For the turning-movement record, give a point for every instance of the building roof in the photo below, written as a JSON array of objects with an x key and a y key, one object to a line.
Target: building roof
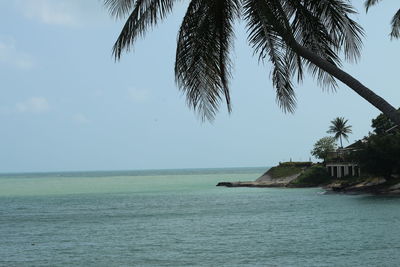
[
  {"x": 392, "y": 129},
  {"x": 355, "y": 145}
]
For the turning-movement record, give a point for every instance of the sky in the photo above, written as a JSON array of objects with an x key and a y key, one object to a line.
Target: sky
[{"x": 66, "y": 105}]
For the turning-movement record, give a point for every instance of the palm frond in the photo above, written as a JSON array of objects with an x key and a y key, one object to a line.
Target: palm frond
[
  {"x": 202, "y": 66},
  {"x": 370, "y": 3},
  {"x": 267, "y": 42},
  {"x": 119, "y": 8},
  {"x": 340, "y": 128},
  {"x": 310, "y": 32},
  {"x": 325, "y": 28},
  {"x": 395, "y": 33},
  {"x": 344, "y": 32},
  {"x": 145, "y": 14},
  {"x": 276, "y": 29},
  {"x": 321, "y": 26}
]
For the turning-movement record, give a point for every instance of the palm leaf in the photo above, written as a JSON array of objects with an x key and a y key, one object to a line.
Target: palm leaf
[
  {"x": 395, "y": 33},
  {"x": 266, "y": 42},
  {"x": 202, "y": 66},
  {"x": 119, "y": 8},
  {"x": 370, "y": 3},
  {"x": 145, "y": 14},
  {"x": 275, "y": 30},
  {"x": 340, "y": 128},
  {"x": 324, "y": 28}
]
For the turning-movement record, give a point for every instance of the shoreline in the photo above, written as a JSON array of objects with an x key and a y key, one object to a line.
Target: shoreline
[
  {"x": 354, "y": 189},
  {"x": 290, "y": 178}
]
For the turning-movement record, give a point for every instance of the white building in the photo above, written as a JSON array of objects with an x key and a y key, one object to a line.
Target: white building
[
  {"x": 343, "y": 169},
  {"x": 338, "y": 165}
]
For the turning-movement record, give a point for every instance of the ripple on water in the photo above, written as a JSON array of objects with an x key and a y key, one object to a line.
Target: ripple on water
[{"x": 198, "y": 224}]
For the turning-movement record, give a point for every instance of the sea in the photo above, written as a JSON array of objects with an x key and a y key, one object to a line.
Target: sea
[{"x": 180, "y": 218}]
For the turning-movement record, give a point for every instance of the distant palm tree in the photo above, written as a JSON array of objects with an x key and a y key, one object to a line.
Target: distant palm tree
[
  {"x": 395, "y": 33},
  {"x": 340, "y": 129},
  {"x": 293, "y": 35}
]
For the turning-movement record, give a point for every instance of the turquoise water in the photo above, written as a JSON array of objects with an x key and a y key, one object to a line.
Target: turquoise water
[{"x": 179, "y": 218}]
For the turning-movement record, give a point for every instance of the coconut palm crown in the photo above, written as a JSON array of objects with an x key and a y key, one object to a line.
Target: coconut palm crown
[
  {"x": 395, "y": 33},
  {"x": 294, "y": 36},
  {"x": 340, "y": 129}
]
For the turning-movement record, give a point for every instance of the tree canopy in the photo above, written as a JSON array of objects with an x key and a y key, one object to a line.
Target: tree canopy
[
  {"x": 382, "y": 124},
  {"x": 323, "y": 146},
  {"x": 294, "y": 36},
  {"x": 340, "y": 129},
  {"x": 379, "y": 154}
]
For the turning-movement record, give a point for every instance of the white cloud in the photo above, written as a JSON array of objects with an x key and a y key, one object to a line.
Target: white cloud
[
  {"x": 33, "y": 105},
  {"x": 10, "y": 55},
  {"x": 138, "y": 95},
  {"x": 80, "y": 118},
  {"x": 65, "y": 12},
  {"x": 56, "y": 12}
]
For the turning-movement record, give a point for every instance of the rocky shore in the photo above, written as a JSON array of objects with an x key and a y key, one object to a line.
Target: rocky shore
[
  {"x": 376, "y": 186},
  {"x": 251, "y": 184},
  {"x": 264, "y": 181},
  {"x": 296, "y": 179}
]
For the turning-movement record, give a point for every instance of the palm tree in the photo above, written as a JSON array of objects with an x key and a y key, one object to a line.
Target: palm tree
[
  {"x": 340, "y": 129},
  {"x": 293, "y": 35},
  {"x": 395, "y": 33}
]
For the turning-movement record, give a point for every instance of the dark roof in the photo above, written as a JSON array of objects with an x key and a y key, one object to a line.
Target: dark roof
[
  {"x": 392, "y": 129},
  {"x": 355, "y": 145}
]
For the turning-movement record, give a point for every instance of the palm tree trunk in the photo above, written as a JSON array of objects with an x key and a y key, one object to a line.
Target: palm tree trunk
[
  {"x": 341, "y": 144},
  {"x": 336, "y": 72},
  {"x": 349, "y": 80}
]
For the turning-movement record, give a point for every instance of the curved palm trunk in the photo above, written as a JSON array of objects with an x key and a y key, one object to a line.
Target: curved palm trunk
[
  {"x": 336, "y": 72},
  {"x": 350, "y": 81}
]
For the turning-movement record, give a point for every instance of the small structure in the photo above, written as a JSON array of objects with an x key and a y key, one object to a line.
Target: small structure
[{"x": 338, "y": 163}]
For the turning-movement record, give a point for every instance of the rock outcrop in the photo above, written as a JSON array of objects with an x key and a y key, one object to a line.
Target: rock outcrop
[
  {"x": 376, "y": 186},
  {"x": 252, "y": 184},
  {"x": 267, "y": 179}
]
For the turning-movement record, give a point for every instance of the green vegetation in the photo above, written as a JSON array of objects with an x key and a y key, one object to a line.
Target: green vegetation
[
  {"x": 379, "y": 154},
  {"x": 279, "y": 172},
  {"x": 340, "y": 129},
  {"x": 294, "y": 36},
  {"x": 323, "y": 146},
  {"x": 287, "y": 169},
  {"x": 298, "y": 164},
  {"x": 381, "y": 124},
  {"x": 317, "y": 175}
]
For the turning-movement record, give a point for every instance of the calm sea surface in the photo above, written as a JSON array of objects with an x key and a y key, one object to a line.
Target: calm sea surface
[{"x": 180, "y": 218}]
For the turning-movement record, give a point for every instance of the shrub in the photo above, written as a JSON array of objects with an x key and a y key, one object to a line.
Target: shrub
[
  {"x": 323, "y": 146},
  {"x": 315, "y": 176},
  {"x": 283, "y": 171},
  {"x": 380, "y": 155},
  {"x": 299, "y": 164}
]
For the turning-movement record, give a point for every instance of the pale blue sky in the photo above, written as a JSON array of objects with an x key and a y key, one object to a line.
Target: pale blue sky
[{"x": 65, "y": 104}]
